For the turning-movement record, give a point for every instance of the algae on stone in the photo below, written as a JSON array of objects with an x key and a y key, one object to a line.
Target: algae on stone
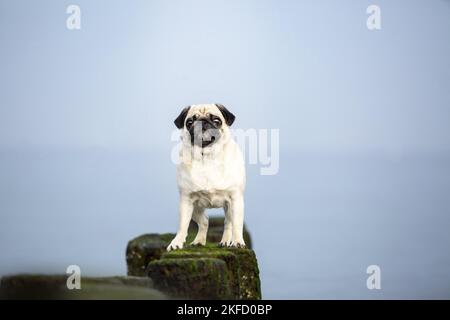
[
  {"x": 230, "y": 259},
  {"x": 192, "y": 278},
  {"x": 35, "y": 286},
  {"x": 194, "y": 272},
  {"x": 149, "y": 247},
  {"x": 249, "y": 282},
  {"x": 242, "y": 267}
]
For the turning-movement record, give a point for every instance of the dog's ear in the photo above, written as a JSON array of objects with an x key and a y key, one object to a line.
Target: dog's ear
[
  {"x": 228, "y": 116},
  {"x": 179, "y": 121}
]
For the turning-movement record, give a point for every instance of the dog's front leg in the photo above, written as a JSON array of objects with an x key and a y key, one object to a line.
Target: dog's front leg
[
  {"x": 201, "y": 219},
  {"x": 227, "y": 227},
  {"x": 186, "y": 208},
  {"x": 237, "y": 220}
]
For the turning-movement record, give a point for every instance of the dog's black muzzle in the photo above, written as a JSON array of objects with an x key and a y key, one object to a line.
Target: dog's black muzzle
[{"x": 204, "y": 132}]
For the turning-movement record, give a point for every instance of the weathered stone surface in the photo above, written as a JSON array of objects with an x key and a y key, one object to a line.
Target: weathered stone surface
[
  {"x": 149, "y": 247},
  {"x": 193, "y": 278},
  {"x": 230, "y": 259},
  {"x": 241, "y": 268},
  {"x": 144, "y": 249},
  {"x": 206, "y": 272},
  {"x": 54, "y": 287},
  {"x": 249, "y": 282}
]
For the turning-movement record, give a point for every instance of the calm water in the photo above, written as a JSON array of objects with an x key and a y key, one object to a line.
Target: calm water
[{"x": 316, "y": 225}]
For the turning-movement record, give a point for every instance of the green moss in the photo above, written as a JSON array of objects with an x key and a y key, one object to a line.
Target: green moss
[
  {"x": 31, "y": 286},
  {"x": 242, "y": 267},
  {"x": 192, "y": 278},
  {"x": 250, "y": 285},
  {"x": 229, "y": 258}
]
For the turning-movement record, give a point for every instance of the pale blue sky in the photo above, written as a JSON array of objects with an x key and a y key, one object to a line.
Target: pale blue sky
[{"x": 310, "y": 68}]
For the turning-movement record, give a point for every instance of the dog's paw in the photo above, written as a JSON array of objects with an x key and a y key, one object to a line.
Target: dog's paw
[
  {"x": 175, "y": 244},
  {"x": 225, "y": 243},
  {"x": 237, "y": 244}
]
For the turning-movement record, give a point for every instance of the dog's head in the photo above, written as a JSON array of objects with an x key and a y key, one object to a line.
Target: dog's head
[{"x": 206, "y": 124}]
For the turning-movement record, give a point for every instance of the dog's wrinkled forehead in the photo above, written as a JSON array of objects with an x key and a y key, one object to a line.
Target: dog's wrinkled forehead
[{"x": 204, "y": 110}]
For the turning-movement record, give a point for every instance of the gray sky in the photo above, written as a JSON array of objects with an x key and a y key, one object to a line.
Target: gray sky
[{"x": 310, "y": 68}]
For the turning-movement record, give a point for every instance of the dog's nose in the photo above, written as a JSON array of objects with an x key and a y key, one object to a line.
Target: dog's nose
[{"x": 204, "y": 124}]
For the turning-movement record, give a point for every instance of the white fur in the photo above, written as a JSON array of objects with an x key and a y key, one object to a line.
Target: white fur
[{"x": 210, "y": 177}]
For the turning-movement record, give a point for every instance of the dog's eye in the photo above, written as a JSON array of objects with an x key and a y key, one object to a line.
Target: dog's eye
[
  {"x": 189, "y": 123},
  {"x": 217, "y": 121}
]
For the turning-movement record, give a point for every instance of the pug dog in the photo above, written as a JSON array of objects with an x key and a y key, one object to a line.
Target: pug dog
[{"x": 211, "y": 174}]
